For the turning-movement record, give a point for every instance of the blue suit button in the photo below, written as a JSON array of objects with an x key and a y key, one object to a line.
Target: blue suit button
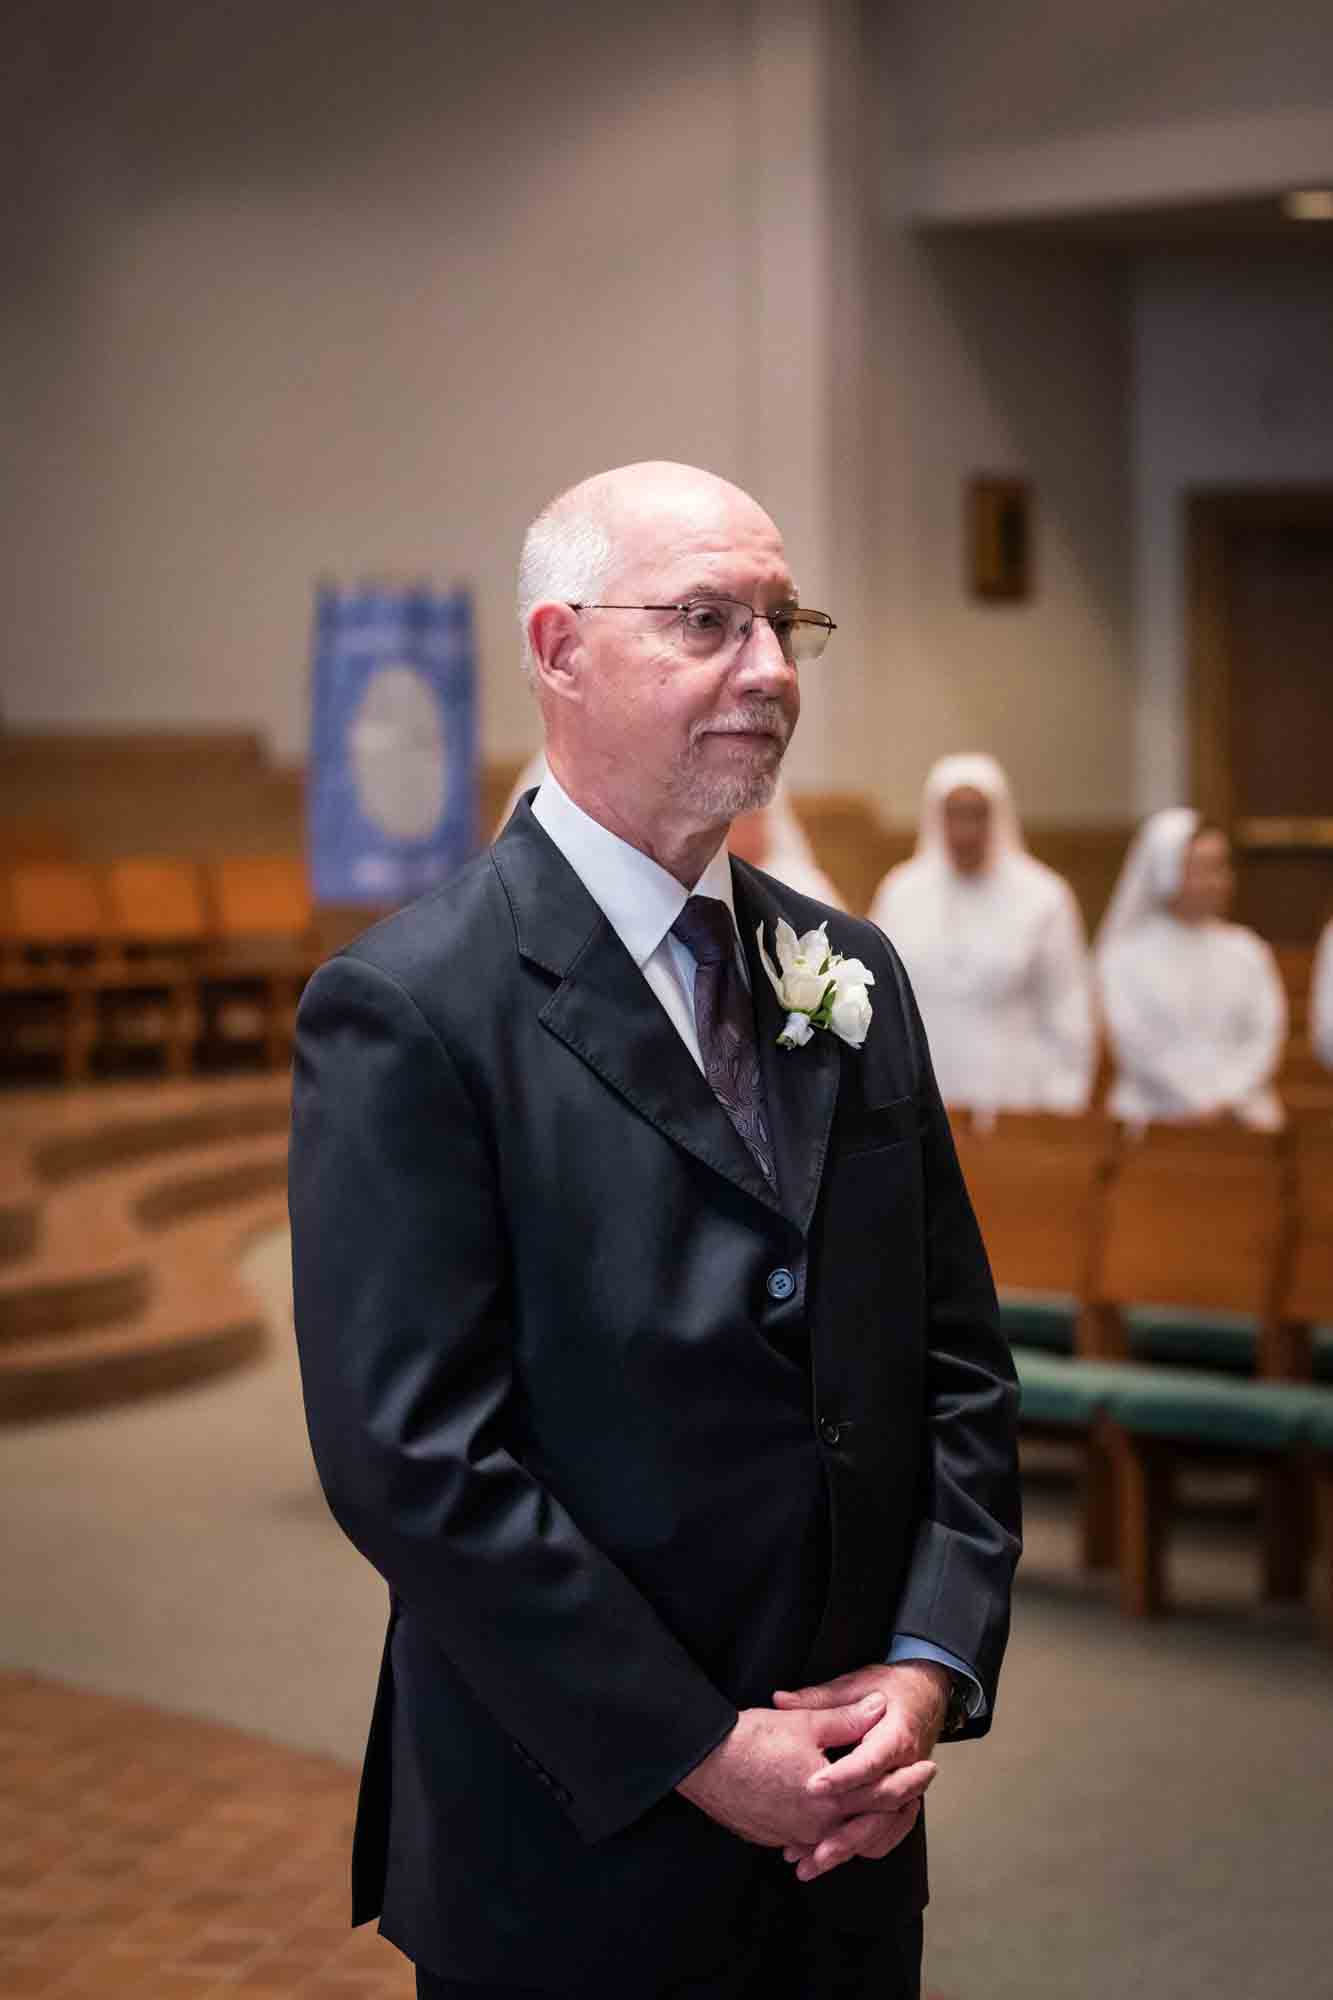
[
  {"x": 830, "y": 1432},
  {"x": 781, "y": 1283}
]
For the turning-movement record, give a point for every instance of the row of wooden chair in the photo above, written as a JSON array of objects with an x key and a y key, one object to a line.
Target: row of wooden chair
[
  {"x": 1208, "y": 1221},
  {"x": 152, "y": 953},
  {"x": 1213, "y": 1218}
]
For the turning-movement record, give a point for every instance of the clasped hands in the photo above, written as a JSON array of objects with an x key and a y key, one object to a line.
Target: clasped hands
[{"x": 770, "y": 1779}]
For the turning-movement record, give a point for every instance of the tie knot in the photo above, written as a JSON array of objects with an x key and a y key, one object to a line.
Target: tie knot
[{"x": 705, "y": 929}]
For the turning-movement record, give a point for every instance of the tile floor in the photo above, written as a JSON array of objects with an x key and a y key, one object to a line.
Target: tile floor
[{"x": 144, "y": 1853}]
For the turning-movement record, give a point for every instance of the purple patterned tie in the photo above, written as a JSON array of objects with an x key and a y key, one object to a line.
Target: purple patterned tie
[{"x": 724, "y": 1020}]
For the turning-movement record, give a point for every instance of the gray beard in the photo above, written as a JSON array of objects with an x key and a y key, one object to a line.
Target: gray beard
[{"x": 714, "y": 796}]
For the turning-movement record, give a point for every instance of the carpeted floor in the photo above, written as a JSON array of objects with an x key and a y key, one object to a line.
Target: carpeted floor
[{"x": 1152, "y": 1814}]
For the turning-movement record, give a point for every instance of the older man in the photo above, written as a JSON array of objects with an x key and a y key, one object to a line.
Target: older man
[{"x": 649, "y": 1346}]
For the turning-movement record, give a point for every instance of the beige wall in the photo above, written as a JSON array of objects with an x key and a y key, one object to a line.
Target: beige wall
[
  {"x": 1030, "y": 109},
  {"x": 333, "y": 289},
  {"x": 1007, "y": 359},
  {"x": 353, "y": 290}
]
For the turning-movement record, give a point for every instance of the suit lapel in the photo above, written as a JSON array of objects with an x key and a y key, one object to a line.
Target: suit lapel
[
  {"x": 800, "y": 1085},
  {"x": 604, "y": 1009}
]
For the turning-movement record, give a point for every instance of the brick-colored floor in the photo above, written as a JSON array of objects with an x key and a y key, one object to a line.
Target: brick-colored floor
[{"x": 143, "y": 1853}]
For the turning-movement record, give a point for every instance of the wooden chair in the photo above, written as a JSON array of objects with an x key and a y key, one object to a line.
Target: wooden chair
[
  {"x": 264, "y": 949},
  {"x": 1307, "y": 1294},
  {"x": 159, "y": 927},
  {"x": 1198, "y": 1216},
  {"x": 1037, "y": 1181},
  {"x": 55, "y": 932}
]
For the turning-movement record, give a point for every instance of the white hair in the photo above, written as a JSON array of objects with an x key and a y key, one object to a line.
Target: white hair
[{"x": 567, "y": 554}]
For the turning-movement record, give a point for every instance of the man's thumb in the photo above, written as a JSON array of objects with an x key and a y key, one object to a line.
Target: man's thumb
[{"x": 848, "y": 1724}]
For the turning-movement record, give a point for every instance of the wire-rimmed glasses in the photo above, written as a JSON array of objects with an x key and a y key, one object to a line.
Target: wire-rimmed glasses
[{"x": 713, "y": 625}]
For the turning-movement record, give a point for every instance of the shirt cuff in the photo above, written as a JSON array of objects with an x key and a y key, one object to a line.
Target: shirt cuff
[{"x": 906, "y": 1646}]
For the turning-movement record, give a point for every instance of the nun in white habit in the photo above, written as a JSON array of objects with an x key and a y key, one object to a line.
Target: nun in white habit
[
  {"x": 995, "y": 947},
  {"x": 772, "y": 838},
  {"x": 1194, "y": 1005}
]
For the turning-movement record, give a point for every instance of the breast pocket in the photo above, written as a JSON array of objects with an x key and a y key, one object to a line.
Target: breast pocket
[{"x": 873, "y": 1128}]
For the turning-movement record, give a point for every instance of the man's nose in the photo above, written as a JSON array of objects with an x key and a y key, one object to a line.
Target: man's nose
[{"x": 761, "y": 663}]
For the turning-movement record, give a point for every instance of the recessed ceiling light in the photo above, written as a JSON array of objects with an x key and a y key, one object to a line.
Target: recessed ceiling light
[{"x": 1309, "y": 204}]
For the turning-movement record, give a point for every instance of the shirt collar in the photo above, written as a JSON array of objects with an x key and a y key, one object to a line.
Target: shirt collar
[{"x": 639, "y": 899}]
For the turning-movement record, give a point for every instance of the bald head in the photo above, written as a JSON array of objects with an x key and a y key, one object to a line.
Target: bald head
[{"x": 595, "y": 532}]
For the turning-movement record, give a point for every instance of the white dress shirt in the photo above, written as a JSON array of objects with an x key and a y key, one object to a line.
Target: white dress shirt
[{"x": 639, "y": 900}]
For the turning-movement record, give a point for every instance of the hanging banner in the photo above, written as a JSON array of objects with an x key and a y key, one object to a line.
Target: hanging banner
[{"x": 392, "y": 790}]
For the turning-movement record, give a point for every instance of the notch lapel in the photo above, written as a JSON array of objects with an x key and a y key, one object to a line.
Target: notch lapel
[
  {"x": 604, "y": 1009},
  {"x": 800, "y": 1085}
]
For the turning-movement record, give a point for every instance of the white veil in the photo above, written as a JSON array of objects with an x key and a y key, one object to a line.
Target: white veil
[
  {"x": 1151, "y": 873},
  {"x": 980, "y": 773}
]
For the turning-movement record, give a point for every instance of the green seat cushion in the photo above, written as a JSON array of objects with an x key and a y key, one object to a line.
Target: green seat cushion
[
  {"x": 1188, "y": 1338},
  {"x": 1038, "y": 1319},
  {"x": 1207, "y": 1409},
  {"x": 1070, "y": 1395},
  {"x": 1320, "y": 1430},
  {"x": 1323, "y": 1354}
]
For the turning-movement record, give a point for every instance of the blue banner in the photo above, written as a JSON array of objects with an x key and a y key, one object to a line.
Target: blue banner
[{"x": 392, "y": 788}]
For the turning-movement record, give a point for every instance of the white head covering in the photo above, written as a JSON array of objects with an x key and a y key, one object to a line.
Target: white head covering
[
  {"x": 1152, "y": 872},
  {"x": 979, "y": 773}
]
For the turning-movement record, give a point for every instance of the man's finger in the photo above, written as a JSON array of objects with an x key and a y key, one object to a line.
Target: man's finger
[
  {"x": 828, "y": 1694},
  {"x": 866, "y": 1765},
  {"x": 891, "y": 1793},
  {"x": 837, "y": 1847},
  {"x": 849, "y": 1722},
  {"x": 870, "y": 1834}
]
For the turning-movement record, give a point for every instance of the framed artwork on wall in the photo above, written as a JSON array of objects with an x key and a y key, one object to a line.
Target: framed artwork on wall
[{"x": 998, "y": 533}]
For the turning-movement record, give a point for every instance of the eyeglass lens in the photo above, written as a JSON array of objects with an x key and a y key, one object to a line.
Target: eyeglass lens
[{"x": 710, "y": 624}]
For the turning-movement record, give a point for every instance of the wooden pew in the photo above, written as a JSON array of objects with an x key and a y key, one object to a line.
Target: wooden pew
[
  {"x": 265, "y": 948},
  {"x": 158, "y": 934},
  {"x": 1198, "y": 1216},
  {"x": 54, "y": 924},
  {"x": 1037, "y": 1182}
]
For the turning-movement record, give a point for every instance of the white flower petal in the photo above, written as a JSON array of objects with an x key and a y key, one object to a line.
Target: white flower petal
[
  {"x": 850, "y": 1015},
  {"x": 813, "y": 947},
  {"x": 787, "y": 947},
  {"x": 774, "y": 976}
]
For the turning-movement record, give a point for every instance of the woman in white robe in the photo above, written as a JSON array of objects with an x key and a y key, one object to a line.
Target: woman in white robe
[
  {"x": 1194, "y": 1005},
  {"x": 771, "y": 838},
  {"x": 1321, "y": 999},
  {"x": 995, "y": 947}
]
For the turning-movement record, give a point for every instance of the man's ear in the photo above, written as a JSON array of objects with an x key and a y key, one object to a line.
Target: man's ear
[{"x": 556, "y": 640}]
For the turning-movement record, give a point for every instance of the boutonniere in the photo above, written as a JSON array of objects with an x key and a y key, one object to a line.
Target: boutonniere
[{"x": 817, "y": 987}]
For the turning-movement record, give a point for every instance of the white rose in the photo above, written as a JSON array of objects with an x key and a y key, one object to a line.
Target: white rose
[
  {"x": 851, "y": 972},
  {"x": 804, "y": 988},
  {"x": 849, "y": 1016}
]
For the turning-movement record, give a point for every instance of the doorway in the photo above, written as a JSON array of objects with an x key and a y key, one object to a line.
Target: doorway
[{"x": 1261, "y": 657}]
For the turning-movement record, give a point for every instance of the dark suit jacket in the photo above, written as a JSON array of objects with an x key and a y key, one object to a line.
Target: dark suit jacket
[{"x": 617, "y": 1487}]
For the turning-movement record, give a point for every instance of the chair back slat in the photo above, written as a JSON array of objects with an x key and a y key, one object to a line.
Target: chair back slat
[
  {"x": 55, "y": 904},
  {"x": 1308, "y": 1295},
  {"x": 1195, "y": 1216},
  {"x": 1035, "y": 1181},
  {"x": 156, "y": 902},
  {"x": 260, "y": 896}
]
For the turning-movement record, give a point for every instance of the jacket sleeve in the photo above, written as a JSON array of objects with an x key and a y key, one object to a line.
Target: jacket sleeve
[
  {"x": 960, "y": 1575},
  {"x": 403, "y": 1311}
]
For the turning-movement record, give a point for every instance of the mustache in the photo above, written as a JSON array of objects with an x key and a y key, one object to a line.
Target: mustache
[{"x": 759, "y": 718}]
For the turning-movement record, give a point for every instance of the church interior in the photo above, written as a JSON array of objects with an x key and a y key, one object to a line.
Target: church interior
[{"x": 1019, "y": 322}]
